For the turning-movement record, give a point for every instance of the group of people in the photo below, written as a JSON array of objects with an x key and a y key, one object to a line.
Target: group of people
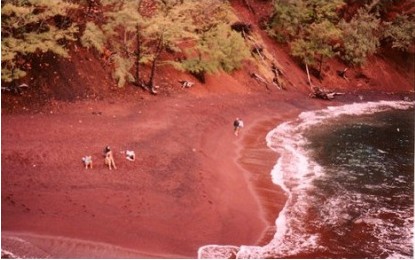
[
  {"x": 108, "y": 158},
  {"x": 130, "y": 155}
]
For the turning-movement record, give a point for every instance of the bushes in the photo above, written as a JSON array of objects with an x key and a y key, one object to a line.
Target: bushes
[
  {"x": 400, "y": 32},
  {"x": 294, "y": 22},
  {"x": 360, "y": 37},
  {"x": 218, "y": 49}
]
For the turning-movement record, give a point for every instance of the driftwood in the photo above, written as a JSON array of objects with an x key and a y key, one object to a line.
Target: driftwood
[
  {"x": 326, "y": 95},
  {"x": 186, "y": 84},
  {"x": 276, "y": 80},
  {"x": 258, "y": 49},
  {"x": 259, "y": 78},
  {"x": 342, "y": 73},
  {"x": 15, "y": 89},
  {"x": 154, "y": 90}
]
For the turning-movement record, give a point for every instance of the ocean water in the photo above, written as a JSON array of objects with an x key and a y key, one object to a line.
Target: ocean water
[{"x": 348, "y": 172}]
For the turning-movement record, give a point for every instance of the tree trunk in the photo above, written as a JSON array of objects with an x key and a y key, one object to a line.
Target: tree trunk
[
  {"x": 308, "y": 75},
  {"x": 137, "y": 56},
  {"x": 320, "y": 67},
  {"x": 159, "y": 48}
]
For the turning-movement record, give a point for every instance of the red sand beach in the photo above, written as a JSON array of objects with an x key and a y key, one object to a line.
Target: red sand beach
[{"x": 193, "y": 183}]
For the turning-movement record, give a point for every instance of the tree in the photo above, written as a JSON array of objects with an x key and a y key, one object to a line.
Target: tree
[
  {"x": 33, "y": 27},
  {"x": 168, "y": 28},
  {"x": 360, "y": 37},
  {"x": 138, "y": 35},
  {"x": 317, "y": 44},
  {"x": 122, "y": 31},
  {"x": 400, "y": 32},
  {"x": 288, "y": 19},
  {"x": 220, "y": 48},
  {"x": 292, "y": 17}
]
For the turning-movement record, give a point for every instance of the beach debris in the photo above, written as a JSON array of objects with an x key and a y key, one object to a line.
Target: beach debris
[
  {"x": 276, "y": 80},
  {"x": 342, "y": 73},
  {"x": 259, "y": 79},
  {"x": 154, "y": 90},
  {"x": 15, "y": 89},
  {"x": 186, "y": 84},
  {"x": 322, "y": 94}
]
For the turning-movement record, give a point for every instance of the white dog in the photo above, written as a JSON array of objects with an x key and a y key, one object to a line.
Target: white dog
[
  {"x": 87, "y": 159},
  {"x": 130, "y": 155}
]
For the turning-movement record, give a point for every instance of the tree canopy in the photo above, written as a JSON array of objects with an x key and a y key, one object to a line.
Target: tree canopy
[
  {"x": 33, "y": 27},
  {"x": 135, "y": 33},
  {"x": 316, "y": 29}
]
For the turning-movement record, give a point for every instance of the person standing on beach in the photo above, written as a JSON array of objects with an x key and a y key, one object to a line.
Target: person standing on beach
[
  {"x": 109, "y": 158},
  {"x": 237, "y": 125}
]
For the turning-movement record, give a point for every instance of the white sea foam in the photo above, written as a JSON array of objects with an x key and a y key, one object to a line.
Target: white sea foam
[
  {"x": 217, "y": 251},
  {"x": 294, "y": 172}
]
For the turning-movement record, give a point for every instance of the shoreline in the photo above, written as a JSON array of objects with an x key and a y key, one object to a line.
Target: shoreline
[{"x": 198, "y": 171}]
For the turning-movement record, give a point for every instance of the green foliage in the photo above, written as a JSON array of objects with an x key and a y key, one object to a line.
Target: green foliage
[
  {"x": 168, "y": 25},
  {"x": 323, "y": 10},
  {"x": 216, "y": 46},
  {"x": 401, "y": 32},
  {"x": 93, "y": 37},
  {"x": 288, "y": 18},
  {"x": 305, "y": 50},
  {"x": 28, "y": 27},
  {"x": 125, "y": 20},
  {"x": 360, "y": 37},
  {"x": 308, "y": 26},
  {"x": 118, "y": 34},
  {"x": 317, "y": 43},
  {"x": 197, "y": 66},
  {"x": 314, "y": 29},
  {"x": 174, "y": 23},
  {"x": 292, "y": 17},
  {"x": 122, "y": 72},
  {"x": 218, "y": 49}
]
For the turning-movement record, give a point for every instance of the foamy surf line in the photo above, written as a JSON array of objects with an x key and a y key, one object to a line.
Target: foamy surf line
[
  {"x": 22, "y": 245},
  {"x": 294, "y": 171}
]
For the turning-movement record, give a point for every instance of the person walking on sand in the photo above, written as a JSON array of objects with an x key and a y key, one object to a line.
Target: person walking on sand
[
  {"x": 109, "y": 158},
  {"x": 237, "y": 125}
]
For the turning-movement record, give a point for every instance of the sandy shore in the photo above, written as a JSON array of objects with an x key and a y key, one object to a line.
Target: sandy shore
[{"x": 194, "y": 183}]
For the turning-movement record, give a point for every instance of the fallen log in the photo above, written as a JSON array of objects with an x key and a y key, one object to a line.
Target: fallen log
[
  {"x": 326, "y": 95},
  {"x": 259, "y": 78},
  {"x": 276, "y": 80}
]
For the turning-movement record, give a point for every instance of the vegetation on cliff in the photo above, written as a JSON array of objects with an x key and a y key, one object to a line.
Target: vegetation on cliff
[
  {"x": 198, "y": 37},
  {"x": 318, "y": 29}
]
